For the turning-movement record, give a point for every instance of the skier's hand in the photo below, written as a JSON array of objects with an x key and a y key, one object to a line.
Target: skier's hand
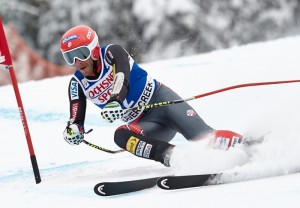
[
  {"x": 73, "y": 134},
  {"x": 112, "y": 111}
]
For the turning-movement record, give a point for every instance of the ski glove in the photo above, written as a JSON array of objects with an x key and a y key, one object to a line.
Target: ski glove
[
  {"x": 112, "y": 111},
  {"x": 73, "y": 134}
]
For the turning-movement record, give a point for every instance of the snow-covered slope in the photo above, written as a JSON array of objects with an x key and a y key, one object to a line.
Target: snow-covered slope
[{"x": 70, "y": 172}]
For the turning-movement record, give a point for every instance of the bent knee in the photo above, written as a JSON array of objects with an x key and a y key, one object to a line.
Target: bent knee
[{"x": 122, "y": 134}]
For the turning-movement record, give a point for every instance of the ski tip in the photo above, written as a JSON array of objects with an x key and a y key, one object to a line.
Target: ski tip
[
  {"x": 184, "y": 181},
  {"x": 99, "y": 189},
  {"x": 123, "y": 187}
]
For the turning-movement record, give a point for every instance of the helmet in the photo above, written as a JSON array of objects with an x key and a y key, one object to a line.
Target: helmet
[{"x": 80, "y": 42}]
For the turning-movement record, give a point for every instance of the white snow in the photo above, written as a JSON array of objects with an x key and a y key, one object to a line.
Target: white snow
[{"x": 69, "y": 173}]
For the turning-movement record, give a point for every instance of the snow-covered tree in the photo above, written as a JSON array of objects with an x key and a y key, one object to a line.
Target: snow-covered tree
[{"x": 153, "y": 29}]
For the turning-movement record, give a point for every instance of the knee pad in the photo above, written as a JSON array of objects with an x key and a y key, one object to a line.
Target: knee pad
[
  {"x": 124, "y": 132},
  {"x": 121, "y": 137}
]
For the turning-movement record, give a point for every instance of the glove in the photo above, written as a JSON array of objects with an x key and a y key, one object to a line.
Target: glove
[
  {"x": 112, "y": 111},
  {"x": 73, "y": 134}
]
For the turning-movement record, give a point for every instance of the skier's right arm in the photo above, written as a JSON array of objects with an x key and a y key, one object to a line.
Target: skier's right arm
[{"x": 74, "y": 131}]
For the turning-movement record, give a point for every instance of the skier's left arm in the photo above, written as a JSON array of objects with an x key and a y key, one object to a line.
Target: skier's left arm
[{"x": 119, "y": 59}]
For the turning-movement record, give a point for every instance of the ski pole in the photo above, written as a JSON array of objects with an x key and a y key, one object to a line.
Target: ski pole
[
  {"x": 6, "y": 60},
  {"x": 167, "y": 103},
  {"x": 102, "y": 148}
]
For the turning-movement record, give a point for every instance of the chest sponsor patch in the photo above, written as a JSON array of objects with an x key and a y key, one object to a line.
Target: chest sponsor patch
[
  {"x": 74, "y": 90},
  {"x": 100, "y": 91}
]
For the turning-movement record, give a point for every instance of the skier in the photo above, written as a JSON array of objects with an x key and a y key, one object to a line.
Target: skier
[{"x": 110, "y": 78}]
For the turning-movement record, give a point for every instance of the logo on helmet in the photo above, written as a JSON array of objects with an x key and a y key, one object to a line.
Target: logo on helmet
[
  {"x": 88, "y": 36},
  {"x": 67, "y": 39}
]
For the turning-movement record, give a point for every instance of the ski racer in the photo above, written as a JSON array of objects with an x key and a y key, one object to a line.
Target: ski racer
[{"x": 110, "y": 78}]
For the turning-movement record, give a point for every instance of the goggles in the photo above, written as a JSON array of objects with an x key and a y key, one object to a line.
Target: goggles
[{"x": 82, "y": 53}]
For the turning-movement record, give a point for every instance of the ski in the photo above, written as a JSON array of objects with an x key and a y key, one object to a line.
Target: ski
[
  {"x": 123, "y": 187},
  {"x": 185, "y": 181},
  {"x": 165, "y": 182}
]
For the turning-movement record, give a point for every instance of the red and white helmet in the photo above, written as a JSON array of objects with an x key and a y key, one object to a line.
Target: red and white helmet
[{"x": 80, "y": 42}]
